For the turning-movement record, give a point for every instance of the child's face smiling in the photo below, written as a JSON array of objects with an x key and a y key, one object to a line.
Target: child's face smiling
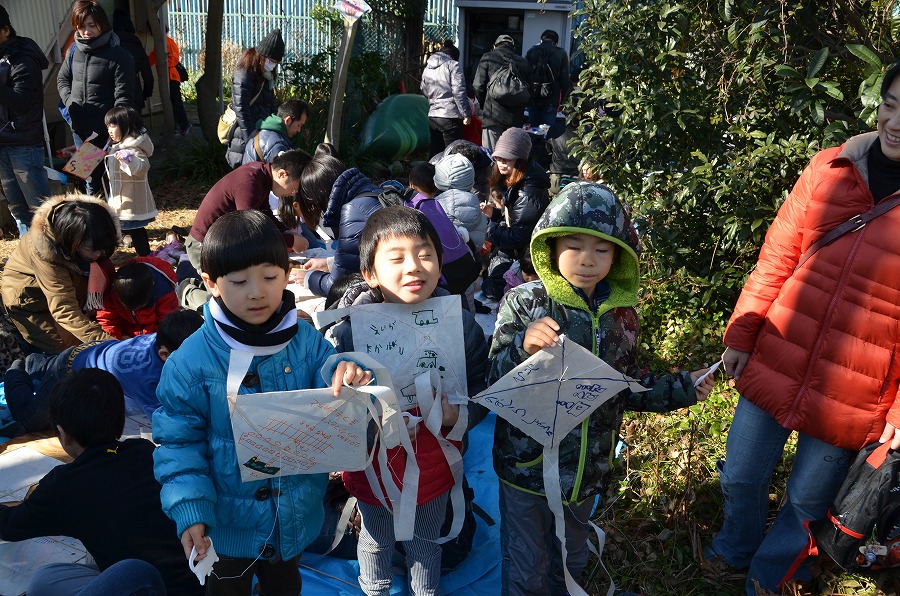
[
  {"x": 252, "y": 294},
  {"x": 406, "y": 268},
  {"x": 584, "y": 260}
]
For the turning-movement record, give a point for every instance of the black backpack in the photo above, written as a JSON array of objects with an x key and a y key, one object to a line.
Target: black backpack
[
  {"x": 861, "y": 531},
  {"x": 508, "y": 87},
  {"x": 542, "y": 79}
]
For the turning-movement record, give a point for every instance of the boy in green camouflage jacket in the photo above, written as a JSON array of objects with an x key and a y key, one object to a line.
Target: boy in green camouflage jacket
[{"x": 585, "y": 251}]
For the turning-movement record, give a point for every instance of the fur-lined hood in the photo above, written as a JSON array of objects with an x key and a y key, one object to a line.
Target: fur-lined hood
[{"x": 42, "y": 236}]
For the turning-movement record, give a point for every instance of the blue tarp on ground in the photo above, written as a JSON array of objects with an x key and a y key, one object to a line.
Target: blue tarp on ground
[{"x": 478, "y": 575}]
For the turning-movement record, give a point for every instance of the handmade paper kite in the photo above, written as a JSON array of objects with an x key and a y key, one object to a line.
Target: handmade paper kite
[
  {"x": 554, "y": 390},
  {"x": 409, "y": 339},
  {"x": 299, "y": 432},
  {"x": 546, "y": 397}
]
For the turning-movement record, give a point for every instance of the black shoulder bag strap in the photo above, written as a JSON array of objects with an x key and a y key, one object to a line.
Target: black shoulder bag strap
[{"x": 851, "y": 225}]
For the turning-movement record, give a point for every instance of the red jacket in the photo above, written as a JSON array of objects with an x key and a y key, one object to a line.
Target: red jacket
[
  {"x": 824, "y": 339},
  {"x": 121, "y": 323}
]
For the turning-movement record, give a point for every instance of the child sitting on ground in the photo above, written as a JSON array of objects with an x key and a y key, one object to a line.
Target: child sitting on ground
[
  {"x": 584, "y": 249},
  {"x": 142, "y": 292},
  {"x": 107, "y": 498},
  {"x": 522, "y": 271},
  {"x": 459, "y": 267},
  {"x": 136, "y": 364},
  {"x": 258, "y": 527},
  {"x": 400, "y": 257}
]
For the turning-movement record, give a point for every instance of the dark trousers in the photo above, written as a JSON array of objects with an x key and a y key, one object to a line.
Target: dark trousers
[
  {"x": 139, "y": 240},
  {"x": 276, "y": 578},
  {"x": 443, "y": 132},
  {"x": 27, "y": 406},
  {"x": 181, "y": 119}
]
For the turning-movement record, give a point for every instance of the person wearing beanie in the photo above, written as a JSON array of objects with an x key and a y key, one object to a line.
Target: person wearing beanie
[
  {"x": 253, "y": 92},
  {"x": 497, "y": 117},
  {"x": 552, "y": 82},
  {"x": 21, "y": 123},
  {"x": 454, "y": 176},
  {"x": 444, "y": 85},
  {"x": 522, "y": 186}
]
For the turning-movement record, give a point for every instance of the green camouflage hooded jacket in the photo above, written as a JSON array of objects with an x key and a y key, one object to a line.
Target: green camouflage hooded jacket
[{"x": 610, "y": 332}]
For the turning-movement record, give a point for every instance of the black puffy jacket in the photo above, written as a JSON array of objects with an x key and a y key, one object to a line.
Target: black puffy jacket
[
  {"x": 494, "y": 115},
  {"x": 244, "y": 87},
  {"x": 21, "y": 92},
  {"x": 525, "y": 202},
  {"x": 96, "y": 75},
  {"x": 346, "y": 215}
]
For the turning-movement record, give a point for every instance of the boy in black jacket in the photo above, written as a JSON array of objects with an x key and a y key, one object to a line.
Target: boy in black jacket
[{"x": 107, "y": 498}]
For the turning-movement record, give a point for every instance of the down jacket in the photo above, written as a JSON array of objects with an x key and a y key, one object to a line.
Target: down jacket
[
  {"x": 273, "y": 140},
  {"x": 435, "y": 478},
  {"x": 524, "y": 203},
  {"x": 444, "y": 85},
  {"x": 21, "y": 93},
  {"x": 131, "y": 197},
  {"x": 346, "y": 216},
  {"x": 196, "y": 462},
  {"x": 41, "y": 290},
  {"x": 493, "y": 115},
  {"x": 823, "y": 340},
  {"x": 101, "y": 77},
  {"x": 122, "y": 323},
  {"x": 609, "y": 328},
  {"x": 244, "y": 87}
]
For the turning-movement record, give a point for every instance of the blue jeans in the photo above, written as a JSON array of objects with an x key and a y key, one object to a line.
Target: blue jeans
[
  {"x": 24, "y": 181},
  {"x": 538, "y": 115},
  {"x": 755, "y": 445},
  {"x": 131, "y": 577}
]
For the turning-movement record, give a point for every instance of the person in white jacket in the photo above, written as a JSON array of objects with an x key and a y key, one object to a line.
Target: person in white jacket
[{"x": 444, "y": 85}]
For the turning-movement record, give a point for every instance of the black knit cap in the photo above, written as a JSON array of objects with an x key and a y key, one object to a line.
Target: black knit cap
[
  {"x": 4, "y": 18},
  {"x": 551, "y": 35},
  {"x": 272, "y": 46}
]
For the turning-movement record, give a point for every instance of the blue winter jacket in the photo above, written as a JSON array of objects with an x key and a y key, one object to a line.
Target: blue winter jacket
[
  {"x": 196, "y": 463},
  {"x": 346, "y": 215}
]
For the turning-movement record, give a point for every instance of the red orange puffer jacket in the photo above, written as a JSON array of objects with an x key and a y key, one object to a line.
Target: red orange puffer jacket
[{"x": 823, "y": 339}]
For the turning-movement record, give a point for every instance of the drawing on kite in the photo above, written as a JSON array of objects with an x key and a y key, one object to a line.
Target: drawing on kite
[
  {"x": 425, "y": 317},
  {"x": 427, "y": 360},
  {"x": 254, "y": 464}
]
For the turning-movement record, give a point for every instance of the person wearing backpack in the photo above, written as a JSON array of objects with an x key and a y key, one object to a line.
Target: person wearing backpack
[
  {"x": 551, "y": 83},
  {"x": 812, "y": 346},
  {"x": 503, "y": 89}
]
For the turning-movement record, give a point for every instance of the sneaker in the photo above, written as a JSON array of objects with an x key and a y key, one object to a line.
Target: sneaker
[
  {"x": 718, "y": 568},
  {"x": 481, "y": 308}
]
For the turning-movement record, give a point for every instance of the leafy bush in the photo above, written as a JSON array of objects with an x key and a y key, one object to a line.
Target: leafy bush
[{"x": 198, "y": 161}]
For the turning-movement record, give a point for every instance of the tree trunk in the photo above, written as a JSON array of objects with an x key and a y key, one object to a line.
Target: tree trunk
[
  {"x": 339, "y": 85},
  {"x": 209, "y": 85},
  {"x": 415, "y": 32},
  {"x": 162, "y": 72}
]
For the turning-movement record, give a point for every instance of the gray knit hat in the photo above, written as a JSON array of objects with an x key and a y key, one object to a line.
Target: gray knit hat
[
  {"x": 272, "y": 46},
  {"x": 514, "y": 143},
  {"x": 454, "y": 171}
]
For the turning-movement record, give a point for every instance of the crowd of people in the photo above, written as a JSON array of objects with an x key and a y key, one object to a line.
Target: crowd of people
[{"x": 177, "y": 332}]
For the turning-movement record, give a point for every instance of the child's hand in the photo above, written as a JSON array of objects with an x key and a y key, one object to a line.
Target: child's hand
[
  {"x": 349, "y": 373},
  {"x": 450, "y": 411},
  {"x": 125, "y": 155},
  {"x": 195, "y": 536},
  {"x": 316, "y": 265},
  {"x": 300, "y": 243},
  {"x": 702, "y": 390},
  {"x": 539, "y": 335},
  {"x": 487, "y": 210}
]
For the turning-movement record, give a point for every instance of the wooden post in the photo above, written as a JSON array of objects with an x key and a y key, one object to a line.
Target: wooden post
[{"x": 336, "y": 105}]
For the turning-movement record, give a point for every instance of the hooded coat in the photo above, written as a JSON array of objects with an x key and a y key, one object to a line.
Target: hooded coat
[
  {"x": 435, "y": 477},
  {"x": 346, "y": 216},
  {"x": 246, "y": 86},
  {"x": 444, "y": 85},
  {"x": 823, "y": 340},
  {"x": 131, "y": 197},
  {"x": 21, "y": 92},
  {"x": 608, "y": 326},
  {"x": 96, "y": 75},
  {"x": 273, "y": 140},
  {"x": 41, "y": 290},
  {"x": 455, "y": 179}
]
